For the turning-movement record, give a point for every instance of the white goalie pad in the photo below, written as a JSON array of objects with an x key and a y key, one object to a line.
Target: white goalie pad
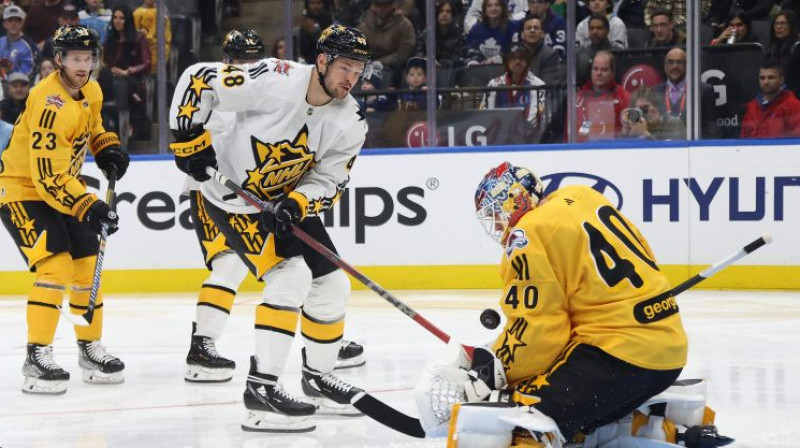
[{"x": 686, "y": 402}]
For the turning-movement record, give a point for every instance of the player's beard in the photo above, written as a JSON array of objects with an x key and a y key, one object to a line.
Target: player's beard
[{"x": 74, "y": 81}]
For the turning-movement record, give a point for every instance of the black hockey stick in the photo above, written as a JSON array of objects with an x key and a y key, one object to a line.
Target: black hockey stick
[
  {"x": 335, "y": 259},
  {"x": 85, "y": 319}
]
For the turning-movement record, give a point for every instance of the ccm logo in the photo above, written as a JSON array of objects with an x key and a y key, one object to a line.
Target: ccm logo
[{"x": 655, "y": 309}]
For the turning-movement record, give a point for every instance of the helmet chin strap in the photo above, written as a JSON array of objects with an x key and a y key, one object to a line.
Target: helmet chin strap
[{"x": 321, "y": 77}]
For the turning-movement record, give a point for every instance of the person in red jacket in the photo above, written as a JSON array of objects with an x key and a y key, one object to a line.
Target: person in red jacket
[
  {"x": 775, "y": 111},
  {"x": 601, "y": 101}
]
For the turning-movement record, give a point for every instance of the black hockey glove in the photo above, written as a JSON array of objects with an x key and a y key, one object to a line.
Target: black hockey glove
[
  {"x": 108, "y": 155},
  {"x": 194, "y": 153},
  {"x": 99, "y": 214},
  {"x": 279, "y": 221}
]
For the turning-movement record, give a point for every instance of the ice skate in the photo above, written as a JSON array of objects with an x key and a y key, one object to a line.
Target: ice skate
[
  {"x": 351, "y": 354},
  {"x": 271, "y": 409},
  {"x": 204, "y": 364},
  {"x": 42, "y": 374},
  {"x": 331, "y": 395},
  {"x": 99, "y": 366}
]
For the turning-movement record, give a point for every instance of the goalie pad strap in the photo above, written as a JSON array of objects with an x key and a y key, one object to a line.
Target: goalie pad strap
[
  {"x": 103, "y": 141},
  {"x": 193, "y": 146}
]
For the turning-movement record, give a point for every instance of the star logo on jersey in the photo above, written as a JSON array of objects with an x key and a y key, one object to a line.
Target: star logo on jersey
[
  {"x": 198, "y": 85},
  {"x": 187, "y": 110},
  {"x": 54, "y": 100},
  {"x": 512, "y": 340},
  {"x": 279, "y": 166},
  {"x": 282, "y": 67}
]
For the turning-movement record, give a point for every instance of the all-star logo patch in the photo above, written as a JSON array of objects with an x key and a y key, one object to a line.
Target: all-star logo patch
[
  {"x": 279, "y": 165},
  {"x": 54, "y": 100},
  {"x": 282, "y": 67}
]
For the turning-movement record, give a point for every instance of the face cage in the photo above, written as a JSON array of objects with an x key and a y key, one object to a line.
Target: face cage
[{"x": 493, "y": 220}]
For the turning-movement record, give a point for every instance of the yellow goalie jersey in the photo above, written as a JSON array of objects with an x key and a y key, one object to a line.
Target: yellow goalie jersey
[
  {"x": 48, "y": 146},
  {"x": 576, "y": 271}
]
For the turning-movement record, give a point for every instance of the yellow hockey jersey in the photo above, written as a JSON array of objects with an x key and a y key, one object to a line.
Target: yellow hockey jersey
[
  {"x": 576, "y": 271},
  {"x": 48, "y": 146}
]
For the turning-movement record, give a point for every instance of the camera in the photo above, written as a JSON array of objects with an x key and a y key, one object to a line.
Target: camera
[{"x": 633, "y": 114}]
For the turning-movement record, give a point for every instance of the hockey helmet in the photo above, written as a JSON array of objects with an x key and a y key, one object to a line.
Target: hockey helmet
[
  {"x": 243, "y": 44},
  {"x": 504, "y": 195},
  {"x": 344, "y": 41},
  {"x": 77, "y": 37}
]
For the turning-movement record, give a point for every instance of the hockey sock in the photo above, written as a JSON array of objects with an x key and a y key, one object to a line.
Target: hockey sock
[
  {"x": 275, "y": 328},
  {"x": 321, "y": 338},
  {"x": 82, "y": 274},
  {"x": 47, "y": 293},
  {"x": 214, "y": 305}
]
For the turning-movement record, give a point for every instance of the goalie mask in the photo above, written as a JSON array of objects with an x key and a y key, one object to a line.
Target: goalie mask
[{"x": 503, "y": 196}]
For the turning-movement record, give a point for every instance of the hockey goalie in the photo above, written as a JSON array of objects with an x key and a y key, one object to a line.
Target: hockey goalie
[{"x": 593, "y": 342}]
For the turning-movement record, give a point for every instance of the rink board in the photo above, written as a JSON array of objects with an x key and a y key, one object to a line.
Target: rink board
[{"x": 408, "y": 218}]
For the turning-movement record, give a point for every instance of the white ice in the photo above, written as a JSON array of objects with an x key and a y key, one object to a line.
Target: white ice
[{"x": 747, "y": 344}]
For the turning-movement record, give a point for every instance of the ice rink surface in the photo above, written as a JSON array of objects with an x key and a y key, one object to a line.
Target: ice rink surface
[{"x": 747, "y": 344}]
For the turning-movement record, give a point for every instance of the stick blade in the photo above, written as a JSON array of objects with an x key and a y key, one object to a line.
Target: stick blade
[
  {"x": 389, "y": 416},
  {"x": 76, "y": 319}
]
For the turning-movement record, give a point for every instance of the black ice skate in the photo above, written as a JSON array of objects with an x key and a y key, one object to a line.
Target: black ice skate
[
  {"x": 204, "y": 364},
  {"x": 351, "y": 354},
  {"x": 704, "y": 437},
  {"x": 331, "y": 395},
  {"x": 99, "y": 366},
  {"x": 42, "y": 374},
  {"x": 272, "y": 409}
]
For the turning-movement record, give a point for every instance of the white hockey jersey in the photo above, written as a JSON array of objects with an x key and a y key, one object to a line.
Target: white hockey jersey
[{"x": 276, "y": 141}]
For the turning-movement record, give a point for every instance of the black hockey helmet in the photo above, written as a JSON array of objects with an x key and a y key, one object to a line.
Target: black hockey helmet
[
  {"x": 344, "y": 41},
  {"x": 243, "y": 44},
  {"x": 76, "y": 37}
]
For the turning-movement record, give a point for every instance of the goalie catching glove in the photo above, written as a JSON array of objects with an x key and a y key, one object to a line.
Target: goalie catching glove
[
  {"x": 109, "y": 156},
  {"x": 194, "y": 153}
]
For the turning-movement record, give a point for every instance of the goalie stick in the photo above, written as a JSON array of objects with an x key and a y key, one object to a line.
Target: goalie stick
[
  {"x": 335, "y": 259},
  {"x": 85, "y": 319}
]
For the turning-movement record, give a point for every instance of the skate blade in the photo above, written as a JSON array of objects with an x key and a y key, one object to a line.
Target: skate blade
[
  {"x": 200, "y": 374},
  {"x": 37, "y": 386},
  {"x": 351, "y": 363},
  {"x": 332, "y": 409},
  {"x": 98, "y": 377},
  {"x": 263, "y": 421}
]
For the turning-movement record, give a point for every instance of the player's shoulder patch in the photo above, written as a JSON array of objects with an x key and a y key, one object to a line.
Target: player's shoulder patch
[
  {"x": 516, "y": 240},
  {"x": 54, "y": 100}
]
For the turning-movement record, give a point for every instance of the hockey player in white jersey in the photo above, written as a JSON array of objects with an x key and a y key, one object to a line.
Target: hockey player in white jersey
[
  {"x": 295, "y": 138},
  {"x": 204, "y": 364}
]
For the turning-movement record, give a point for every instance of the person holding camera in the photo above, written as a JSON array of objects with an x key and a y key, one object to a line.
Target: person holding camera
[{"x": 645, "y": 120}]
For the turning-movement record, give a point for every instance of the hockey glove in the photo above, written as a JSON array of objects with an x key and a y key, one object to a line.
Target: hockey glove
[
  {"x": 279, "y": 221},
  {"x": 486, "y": 374},
  {"x": 109, "y": 156},
  {"x": 194, "y": 153},
  {"x": 99, "y": 214}
]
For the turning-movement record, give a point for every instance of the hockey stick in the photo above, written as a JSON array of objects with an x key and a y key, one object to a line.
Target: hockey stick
[
  {"x": 85, "y": 319},
  {"x": 335, "y": 259}
]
